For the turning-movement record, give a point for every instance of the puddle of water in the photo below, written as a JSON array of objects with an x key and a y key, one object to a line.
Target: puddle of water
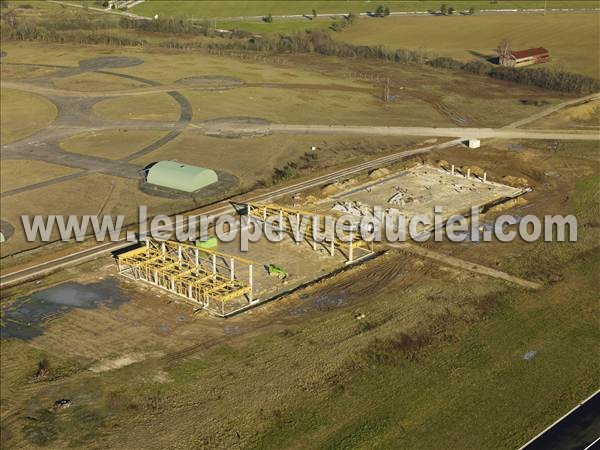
[
  {"x": 316, "y": 303},
  {"x": 25, "y": 317},
  {"x": 232, "y": 330},
  {"x": 164, "y": 328}
]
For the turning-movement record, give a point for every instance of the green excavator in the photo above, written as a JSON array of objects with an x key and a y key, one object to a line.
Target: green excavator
[{"x": 278, "y": 272}]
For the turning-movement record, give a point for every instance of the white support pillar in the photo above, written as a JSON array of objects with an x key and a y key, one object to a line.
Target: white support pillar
[
  {"x": 452, "y": 170},
  {"x": 264, "y": 214},
  {"x": 190, "y": 291},
  {"x": 147, "y": 242},
  {"x": 155, "y": 277},
  {"x": 179, "y": 254},
  {"x": 484, "y": 177},
  {"x": 281, "y": 225},
  {"x": 214, "y": 263},
  {"x": 351, "y": 248},
  {"x": 332, "y": 247},
  {"x": 163, "y": 248},
  {"x": 250, "y": 281},
  {"x": 468, "y": 173},
  {"x": 232, "y": 268},
  {"x": 196, "y": 256},
  {"x": 173, "y": 284},
  {"x": 297, "y": 229}
]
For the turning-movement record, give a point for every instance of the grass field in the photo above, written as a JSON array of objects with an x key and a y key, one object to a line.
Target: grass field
[
  {"x": 144, "y": 107},
  {"x": 477, "y": 37},
  {"x": 111, "y": 144},
  {"x": 23, "y": 113},
  {"x": 37, "y": 172},
  {"x": 200, "y": 9}
]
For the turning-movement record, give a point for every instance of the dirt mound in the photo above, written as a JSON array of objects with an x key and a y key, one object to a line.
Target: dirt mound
[
  {"x": 109, "y": 62},
  {"x": 443, "y": 164},
  {"x": 515, "y": 181},
  {"x": 519, "y": 201},
  {"x": 379, "y": 173},
  {"x": 475, "y": 170},
  {"x": 330, "y": 189},
  {"x": 212, "y": 81},
  {"x": 6, "y": 229},
  {"x": 310, "y": 200},
  {"x": 224, "y": 121}
]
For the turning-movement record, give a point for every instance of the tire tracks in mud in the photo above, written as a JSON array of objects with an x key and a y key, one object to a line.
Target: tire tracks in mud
[{"x": 375, "y": 277}]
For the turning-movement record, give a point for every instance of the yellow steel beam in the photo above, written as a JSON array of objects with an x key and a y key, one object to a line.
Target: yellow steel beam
[{"x": 175, "y": 244}]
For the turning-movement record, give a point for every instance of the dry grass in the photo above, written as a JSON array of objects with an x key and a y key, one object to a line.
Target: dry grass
[
  {"x": 140, "y": 107},
  {"x": 94, "y": 82},
  {"x": 111, "y": 144},
  {"x": 37, "y": 172},
  {"x": 22, "y": 114}
]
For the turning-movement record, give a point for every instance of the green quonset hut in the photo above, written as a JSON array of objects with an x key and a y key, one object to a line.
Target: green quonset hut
[{"x": 179, "y": 176}]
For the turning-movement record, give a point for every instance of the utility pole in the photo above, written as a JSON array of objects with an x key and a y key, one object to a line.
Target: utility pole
[{"x": 386, "y": 91}]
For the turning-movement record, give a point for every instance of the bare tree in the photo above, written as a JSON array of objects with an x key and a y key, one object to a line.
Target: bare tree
[{"x": 503, "y": 48}]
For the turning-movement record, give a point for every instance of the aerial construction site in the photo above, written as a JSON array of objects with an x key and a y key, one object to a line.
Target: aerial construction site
[{"x": 299, "y": 224}]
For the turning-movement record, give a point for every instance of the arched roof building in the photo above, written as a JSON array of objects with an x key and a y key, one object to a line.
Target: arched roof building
[{"x": 179, "y": 176}]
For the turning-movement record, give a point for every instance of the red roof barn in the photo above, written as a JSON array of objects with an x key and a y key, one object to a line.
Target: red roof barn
[{"x": 527, "y": 57}]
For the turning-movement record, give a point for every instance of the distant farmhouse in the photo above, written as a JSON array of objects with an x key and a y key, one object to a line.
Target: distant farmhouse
[{"x": 527, "y": 57}]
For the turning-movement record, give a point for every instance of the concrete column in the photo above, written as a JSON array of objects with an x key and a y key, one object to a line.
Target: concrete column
[
  {"x": 190, "y": 291},
  {"x": 264, "y": 214},
  {"x": 155, "y": 277},
  {"x": 232, "y": 268},
  {"x": 452, "y": 170},
  {"x": 250, "y": 281},
  {"x": 468, "y": 173},
  {"x": 281, "y": 225},
  {"x": 214, "y": 263},
  {"x": 196, "y": 256},
  {"x": 173, "y": 284},
  {"x": 351, "y": 248},
  {"x": 332, "y": 248},
  {"x": 163, "y": 248},
  {"x": 147, "y": 242},
  {"x": 297, "y": 228},
  {"x": 484, "y": 177},
  {"x": 179, "y": 255}
]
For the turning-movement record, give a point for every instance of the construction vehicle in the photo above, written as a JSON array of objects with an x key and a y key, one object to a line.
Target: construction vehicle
[
  {"x": 209, "y": 242},
  {"x": 278, "y": 272}
]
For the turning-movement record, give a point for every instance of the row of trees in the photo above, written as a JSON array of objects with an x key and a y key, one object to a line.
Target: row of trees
[
  {"x": 317, "y": 41},
  {"x": 446, "y": 10}
]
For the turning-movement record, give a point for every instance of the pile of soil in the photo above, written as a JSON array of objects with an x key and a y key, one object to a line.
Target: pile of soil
[
  {"x": 379, "y": 173},
  {"x": 515, "y": 181},
  {"x": 475, "y": 170}
]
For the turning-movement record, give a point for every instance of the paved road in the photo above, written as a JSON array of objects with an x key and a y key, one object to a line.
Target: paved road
[
  {"x": 578, "y": 429},
  {"x": 347, "y": 130}
]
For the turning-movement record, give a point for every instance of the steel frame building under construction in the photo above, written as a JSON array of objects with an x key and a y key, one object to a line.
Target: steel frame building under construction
[
  {"x": 220, "y": 283},
  {"x": 204, "y": 277}
]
